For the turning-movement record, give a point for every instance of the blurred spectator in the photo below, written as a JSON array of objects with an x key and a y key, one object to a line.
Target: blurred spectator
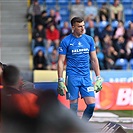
[
  {"x": 24, "y": 85},
  {"x": 116, "y": 11},
  {"x": 97, "y": 42},
  {"x": 104, "y": 12},
  {"x": 110, "y": 58},
  {"x": 107, "y": 31},
  {"x": 119, "y": 30},
  {"x": 38, "y": 42},
  {"x": 92, "y": 30},
  {"x": 34, "y": 12},
  {"x": 129, "y": 48},
  {"x": 54, "y": 18},
  {"x": 16, "y": 105},
  {"x": 106, "y": 43},
  {"x": 39, "y": 60},
  {"x": 1, "y": 70},
  {"x": 53, "y": 59},
  {"x": 100, "y": 57},
  {"x": 77, "y": 9},
  {"x": 38, "y": 37},
  {"x": 91, "y": 12},
  {"x": 129, "y": 31},
  {"x": 39, "y": 32},
  {"x": 58, "y": 18},
  {"x": 102, "y": 24},
  {"x": 120, "y": 47},
  {"x": 52, "y": 36},
  {"x": 65, "y": 30},
  {"x": 44, "y": 19}
]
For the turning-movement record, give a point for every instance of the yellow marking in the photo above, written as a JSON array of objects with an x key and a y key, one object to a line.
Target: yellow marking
[
  {"x": 29, "y": 41},
  {"x": 46, "y": 76},
  {"x": 28, "y": 3}
]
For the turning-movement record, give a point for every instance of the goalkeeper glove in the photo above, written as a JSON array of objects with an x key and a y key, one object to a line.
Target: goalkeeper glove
[
  {"x": 61, "y": 87},
  {"x": 98, "y": 84}
]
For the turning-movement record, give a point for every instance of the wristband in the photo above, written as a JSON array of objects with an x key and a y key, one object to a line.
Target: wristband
[
  {"x": 61, "y": 79},
  {"x": 98, "y": 77}
]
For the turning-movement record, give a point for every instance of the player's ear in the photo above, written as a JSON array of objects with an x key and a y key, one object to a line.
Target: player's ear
[{"x": 73, "y": 29}]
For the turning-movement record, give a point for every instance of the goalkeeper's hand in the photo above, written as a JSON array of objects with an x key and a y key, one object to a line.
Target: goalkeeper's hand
[
  {"x": 61, "y": 87},
  {"x": 98, "y": 84}
]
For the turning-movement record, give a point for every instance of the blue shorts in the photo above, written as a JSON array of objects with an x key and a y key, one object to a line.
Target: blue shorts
[{"x": 79, "y": 84}]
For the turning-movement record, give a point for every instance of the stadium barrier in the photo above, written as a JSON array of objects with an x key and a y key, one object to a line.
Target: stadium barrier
[{"x": 116, "y": 94}]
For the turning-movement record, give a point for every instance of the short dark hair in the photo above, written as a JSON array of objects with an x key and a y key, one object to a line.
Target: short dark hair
[
  {"x": 44, "y": 11},
  {"x": 76, "y": 19},
  {"x": 3, "y": 66},
  {"x": 11, "y": 75}
]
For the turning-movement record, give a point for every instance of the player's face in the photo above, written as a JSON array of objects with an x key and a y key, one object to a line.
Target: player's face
[{"x": 78, "y": 28}]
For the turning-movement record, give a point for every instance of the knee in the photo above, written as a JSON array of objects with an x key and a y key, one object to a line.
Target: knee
[
  {"x": 74, "y": 107},
  {"x": 88, "y": 111}
]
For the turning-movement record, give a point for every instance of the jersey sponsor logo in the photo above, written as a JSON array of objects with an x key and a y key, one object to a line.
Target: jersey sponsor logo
[{"x": 80, "y": 51}]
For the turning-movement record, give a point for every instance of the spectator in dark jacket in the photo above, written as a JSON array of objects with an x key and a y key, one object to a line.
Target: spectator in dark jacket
[
  {"x": 120, "y": 47},
  {"x": 39, "y": 31},
  {"x": 104, "y": 12},
  {"x": 44, "y": 19},
  {"x": 107, "y": 31},
  {"x": 65, "y": 30},
  {"x": 91, "y": 30},
  {"x": 39, "y": 60}
]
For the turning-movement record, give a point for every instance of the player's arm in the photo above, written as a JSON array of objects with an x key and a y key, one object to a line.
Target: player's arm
[
  {"x": 61, "y": 84},
  {"x": 61, "y": 61},
  {"x": 95, "y": 63},
  {"x": 95, "y": 66}
]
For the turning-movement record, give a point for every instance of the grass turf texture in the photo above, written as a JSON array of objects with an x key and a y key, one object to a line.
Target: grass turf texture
[
  {"x": 129, "y": 131},
  {"x": 121, "y": 113}
]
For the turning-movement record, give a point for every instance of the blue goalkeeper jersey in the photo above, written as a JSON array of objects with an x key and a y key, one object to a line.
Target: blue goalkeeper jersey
[{"x": 77, "y": 52}]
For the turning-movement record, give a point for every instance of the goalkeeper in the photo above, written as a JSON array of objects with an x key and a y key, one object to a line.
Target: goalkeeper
[{"x": 78, "y": 49}]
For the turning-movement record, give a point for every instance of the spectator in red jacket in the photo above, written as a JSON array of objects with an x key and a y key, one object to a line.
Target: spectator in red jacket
[
  {"x": 15, "y": 105},
  {"x": 52, "y": 36}
]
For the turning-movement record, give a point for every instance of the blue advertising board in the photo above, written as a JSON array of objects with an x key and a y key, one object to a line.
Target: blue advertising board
[
  {"x": 115, "y": 76},
  {"x": 112, "y": 76}
]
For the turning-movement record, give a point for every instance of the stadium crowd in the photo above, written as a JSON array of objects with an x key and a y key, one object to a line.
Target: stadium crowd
[{"x": 107, "y": 24}]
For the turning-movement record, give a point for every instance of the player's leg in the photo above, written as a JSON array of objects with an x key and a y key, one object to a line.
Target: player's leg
[
  {"x": 74, "y": 105},
  {"x": 72, "y": 84},
  {"x": 90, "y": 105},
  {"x": 87, "y": 93}
]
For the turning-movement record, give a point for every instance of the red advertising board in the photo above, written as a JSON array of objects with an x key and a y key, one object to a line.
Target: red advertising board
[{"x": 113, "y": 96}]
